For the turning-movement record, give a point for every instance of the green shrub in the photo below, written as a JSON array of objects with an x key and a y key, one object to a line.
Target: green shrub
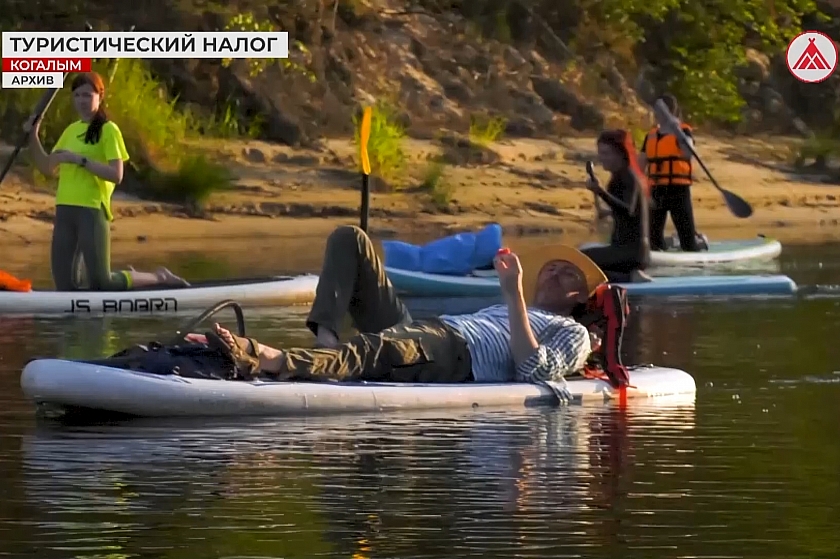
[
  {"x": 229, "y": 121},
  {"x": 434, "y": 183},
  {"x": 154, "y": 128},
  {"x": 194, "y": 180},
  {"x": 247, "y": 21},
  {"x": 385, "y": 146},
  {"x": 484, "y": 131},
  {"x": 817, "y": 150}
]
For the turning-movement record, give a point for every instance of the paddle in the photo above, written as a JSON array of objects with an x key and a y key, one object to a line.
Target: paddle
[
  {"x": 737, "y": 205},
  {"x": 590, "y": 170},
  {"x": 113, "y": 71},
  {"x": 364, "y": 136},
  {"x": 40, "y": 108}
]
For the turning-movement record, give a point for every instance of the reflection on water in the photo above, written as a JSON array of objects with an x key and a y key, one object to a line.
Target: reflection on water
[
  {"x": 750, "y": 470},
  {"x": 477, "y": 482}
]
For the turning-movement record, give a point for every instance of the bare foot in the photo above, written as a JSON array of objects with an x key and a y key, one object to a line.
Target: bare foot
[
  {"x": 225, "y": 334},
  {"x": 166, "y": 277},
  {"x": 639, "y": 276}
]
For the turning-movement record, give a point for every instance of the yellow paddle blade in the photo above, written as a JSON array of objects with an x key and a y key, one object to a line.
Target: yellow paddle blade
[{"x": 364, "y": 137}]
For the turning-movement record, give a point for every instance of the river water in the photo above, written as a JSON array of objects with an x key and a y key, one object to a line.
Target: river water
[{"x": 749, "y": 469}]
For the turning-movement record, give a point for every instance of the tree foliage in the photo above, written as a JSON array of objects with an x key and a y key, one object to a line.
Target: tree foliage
[
  {"x": 703, "y": 43},
  {"x": 694, "y": 47}
]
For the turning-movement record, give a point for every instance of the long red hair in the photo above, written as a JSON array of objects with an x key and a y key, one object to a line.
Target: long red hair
[{"x": 622, "y": 141}]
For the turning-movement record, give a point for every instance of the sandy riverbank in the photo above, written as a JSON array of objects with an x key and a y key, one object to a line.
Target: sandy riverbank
[{"x": 534, "y": 187}]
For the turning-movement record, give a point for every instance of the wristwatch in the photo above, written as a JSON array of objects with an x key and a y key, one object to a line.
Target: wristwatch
[{"x": 84, "y": 162}]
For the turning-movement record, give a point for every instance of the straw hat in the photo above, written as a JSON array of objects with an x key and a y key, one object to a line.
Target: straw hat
[{"x": 534, "y": 259}]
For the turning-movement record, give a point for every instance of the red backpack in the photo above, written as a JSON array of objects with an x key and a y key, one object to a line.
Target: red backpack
[{"x": 607, "y": 309}]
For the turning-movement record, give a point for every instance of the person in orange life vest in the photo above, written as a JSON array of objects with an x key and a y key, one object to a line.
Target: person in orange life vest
[
  {"x": 668, "y": 166},
  {"x": 629, "y": 250}
]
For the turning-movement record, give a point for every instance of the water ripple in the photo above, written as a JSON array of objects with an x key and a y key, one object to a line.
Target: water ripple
[{"x": 748, "y": 470}]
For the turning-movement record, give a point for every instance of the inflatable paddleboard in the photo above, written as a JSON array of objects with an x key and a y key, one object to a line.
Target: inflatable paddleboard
[
  {"x": 164, "y": 300},
  {"x": 720, "y": 252},
  {"x": 60, "y": 383},
  {"x": 419, "y": 284}
]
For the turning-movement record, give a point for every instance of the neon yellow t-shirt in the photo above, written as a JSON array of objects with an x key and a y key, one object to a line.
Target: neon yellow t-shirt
[{"x": 77, "y": 186}]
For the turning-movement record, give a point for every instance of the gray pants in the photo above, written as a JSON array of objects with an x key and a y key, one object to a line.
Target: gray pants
[{"x": 82, "y": 237}]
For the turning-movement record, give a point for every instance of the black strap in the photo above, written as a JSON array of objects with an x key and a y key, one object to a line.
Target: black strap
[
  {"x": 221, "y": 305},
  {"x": 669, "y": 158}
]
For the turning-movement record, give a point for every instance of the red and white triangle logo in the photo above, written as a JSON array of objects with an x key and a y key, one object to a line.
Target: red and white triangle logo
[{"x": 812, "y": 57}]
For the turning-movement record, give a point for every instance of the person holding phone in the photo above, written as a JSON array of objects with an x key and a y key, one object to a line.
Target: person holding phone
[{"x": 628, "y": 253}]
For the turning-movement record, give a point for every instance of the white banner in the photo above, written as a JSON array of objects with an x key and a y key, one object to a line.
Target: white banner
[
  {"x": 138, "y": 44},
  {"x": 32, "y": 80}
]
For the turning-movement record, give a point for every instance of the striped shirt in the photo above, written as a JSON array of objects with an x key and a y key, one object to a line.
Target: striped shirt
[{"x": 563, "y": 345}]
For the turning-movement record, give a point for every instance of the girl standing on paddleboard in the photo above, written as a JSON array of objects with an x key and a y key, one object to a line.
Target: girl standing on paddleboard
[
  {"x": 90, "y": 157},
  {"x": 629, "y": 250}
]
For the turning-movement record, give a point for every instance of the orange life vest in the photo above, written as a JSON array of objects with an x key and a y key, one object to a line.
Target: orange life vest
[
  {"x": 666, "y": 163},
  {"x": 8, "y": 282},
  {"x": 607, "y": 309}
]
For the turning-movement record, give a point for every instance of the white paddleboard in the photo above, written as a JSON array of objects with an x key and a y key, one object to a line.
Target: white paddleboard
[
  {"x": 62, "y": 383},
  {"x": 720, "y": 252},
  {"x": 278, "y": 290}
]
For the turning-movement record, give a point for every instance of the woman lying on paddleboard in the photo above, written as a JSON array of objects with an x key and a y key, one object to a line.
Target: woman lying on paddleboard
[
  {"x": 629, "y": 250},
  {"x": 90, "y": 157}
]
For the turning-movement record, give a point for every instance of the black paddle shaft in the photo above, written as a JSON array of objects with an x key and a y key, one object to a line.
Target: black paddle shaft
[
  {"x": 40, "y": 109},
  {"x": 43, "y": 104},
  {"x": 365, "y": 207},
  {"x": 590, "y": 170},
  {"x": 737, "y": 205}
]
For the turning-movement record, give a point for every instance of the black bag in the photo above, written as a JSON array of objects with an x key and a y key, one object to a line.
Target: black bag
[
  {"x": 188, "y": 360},
  {"x": 185, "y": 359}
]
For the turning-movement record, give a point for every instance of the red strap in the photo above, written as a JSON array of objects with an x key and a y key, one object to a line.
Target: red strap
[
  {"x": 615, "y": 308},
  {"x": 598, "y": 374},
  {"x": 608, "y": 309},
  {"x": 595, "y": 374}
]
